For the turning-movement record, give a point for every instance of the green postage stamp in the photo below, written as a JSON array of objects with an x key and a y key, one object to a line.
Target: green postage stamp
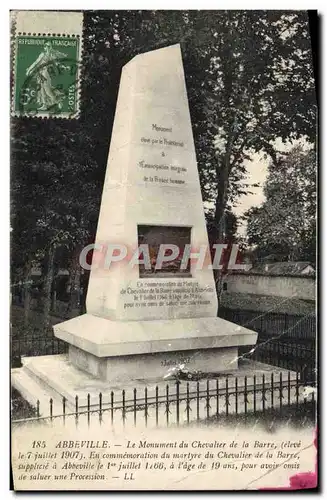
[{"x": 46, "y": 75}]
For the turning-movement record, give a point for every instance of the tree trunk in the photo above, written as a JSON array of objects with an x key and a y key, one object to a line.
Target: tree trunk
[
  {"x": 47, "y": 287},
  {"x": 84, "y": 285},
  {"x": 27, "y": 291},
  {"x": 223, "y": 172},
  {"x": 74, "y": 283},
  {"x": 54, "y": 300},
  {"x": 220, "y": 205}
]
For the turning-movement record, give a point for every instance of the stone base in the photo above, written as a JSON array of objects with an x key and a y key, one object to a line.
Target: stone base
[
  {"x": 153, "y": 366},
  {"x": 45, "y": 377},
  {"x": 103, "y": 337}
]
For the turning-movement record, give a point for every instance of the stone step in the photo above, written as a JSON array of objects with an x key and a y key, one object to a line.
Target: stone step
[{"x": 45, "y": 377}]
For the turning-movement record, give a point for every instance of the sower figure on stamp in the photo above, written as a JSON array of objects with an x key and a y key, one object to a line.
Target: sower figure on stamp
[{"x": 47, "y": 95}]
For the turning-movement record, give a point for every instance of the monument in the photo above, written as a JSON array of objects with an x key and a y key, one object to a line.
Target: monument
[
  {"x": 141, "y": 320},
  {"x": 151, "y": 182}
]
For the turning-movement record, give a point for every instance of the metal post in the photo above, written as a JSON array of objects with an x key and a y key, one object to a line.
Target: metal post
[
  {"x": 112, "y": 406},
  {"x": 100, "y": 407},
  {"x": 227, "y": 397},
  {"x": 198, "y": 400},
  {"x": 123, "y": 409},
  {"x": 263, "y": 394},
  {"x": 177, "y": 401},
  {"x": 157, "y": 405},
  {"x": 188, "y": 402},
  {"x": 281, "y": 393},
  {"x": 64, "y": 407},
  {"x": 208, "y": 400},
  {"x": 134, "y": 407},
  {"x": 146, "y": 406},
  {"x": 88, "y": 408}
]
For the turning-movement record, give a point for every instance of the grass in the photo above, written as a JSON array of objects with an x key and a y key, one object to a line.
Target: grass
[{"x": 20, "y": 408}]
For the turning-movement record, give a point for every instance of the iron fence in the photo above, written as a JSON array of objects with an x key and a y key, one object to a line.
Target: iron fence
[
  {"x": 289, "y": 356},
  {"x": 230, "y": 398},
  {"x": 182, "y": 402},
  {"x": 271, "y": 324},
  {"x": 35, "y": 346}
]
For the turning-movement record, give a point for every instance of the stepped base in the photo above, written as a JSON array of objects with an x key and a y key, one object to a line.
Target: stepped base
[
  {"x": 45, "y": 377},
  {"x": 120, "y": 350},
  {"x": 119, "y": 369}
]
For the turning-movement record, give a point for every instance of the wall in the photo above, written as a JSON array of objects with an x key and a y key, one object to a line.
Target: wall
[{"x": 282, "y": 286}]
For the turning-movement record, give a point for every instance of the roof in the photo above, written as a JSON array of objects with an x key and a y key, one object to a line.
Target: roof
[
  {"x": 267, "y": 303},
  {"x": 281, "y": 268}
]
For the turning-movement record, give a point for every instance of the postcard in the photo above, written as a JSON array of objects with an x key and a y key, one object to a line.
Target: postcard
[{"x": 163, "y": 250}]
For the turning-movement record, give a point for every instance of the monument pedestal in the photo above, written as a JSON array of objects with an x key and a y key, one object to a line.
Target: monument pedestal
[
  {"x": 153, "y": 366},
  {"x": 109, "y": 349}
]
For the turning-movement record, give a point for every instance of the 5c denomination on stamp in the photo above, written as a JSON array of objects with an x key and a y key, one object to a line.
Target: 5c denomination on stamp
[{"x": 46, "y": 76}]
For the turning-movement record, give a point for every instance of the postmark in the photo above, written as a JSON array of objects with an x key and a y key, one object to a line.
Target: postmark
[{"x": 46, "y": 76}]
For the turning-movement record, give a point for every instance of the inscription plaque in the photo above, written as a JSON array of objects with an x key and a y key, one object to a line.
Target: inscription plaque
[{"x": 153, "y": 237}]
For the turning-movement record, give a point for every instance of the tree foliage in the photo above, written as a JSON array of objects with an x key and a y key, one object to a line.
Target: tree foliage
[
  {"x": 259, "y": 86},
  {"x": 285, "y": 224}
]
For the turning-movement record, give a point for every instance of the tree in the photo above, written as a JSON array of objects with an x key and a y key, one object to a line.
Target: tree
[
  {"x": 259, "y": 87},
  {"x": 285, "y": 224},
  {"x": 249, "y": 81},
  {"x": 230, "y": 229},
  {"x": 53, "y": 199}
]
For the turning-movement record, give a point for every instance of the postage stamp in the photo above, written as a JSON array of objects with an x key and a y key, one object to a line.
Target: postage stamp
[{"x": 46, "y": 76}]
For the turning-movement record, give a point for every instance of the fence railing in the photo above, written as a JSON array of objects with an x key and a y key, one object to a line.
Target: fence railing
[
  {"x": 289, "y": 356},
  {"x": 183, "y": 402},
  {"x": 35, "y": 346},
  {"x": 297, "y": 327}
]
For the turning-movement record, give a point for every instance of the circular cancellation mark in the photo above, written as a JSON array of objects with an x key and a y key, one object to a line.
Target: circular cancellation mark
[{"x": 51, "y": 89}]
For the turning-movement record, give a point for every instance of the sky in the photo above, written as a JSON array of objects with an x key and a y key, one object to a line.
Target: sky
[{"x": 257, "y": 171}]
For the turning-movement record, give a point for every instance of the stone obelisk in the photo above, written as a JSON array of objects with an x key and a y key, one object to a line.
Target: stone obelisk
[{"x": 138, "y": 324}]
